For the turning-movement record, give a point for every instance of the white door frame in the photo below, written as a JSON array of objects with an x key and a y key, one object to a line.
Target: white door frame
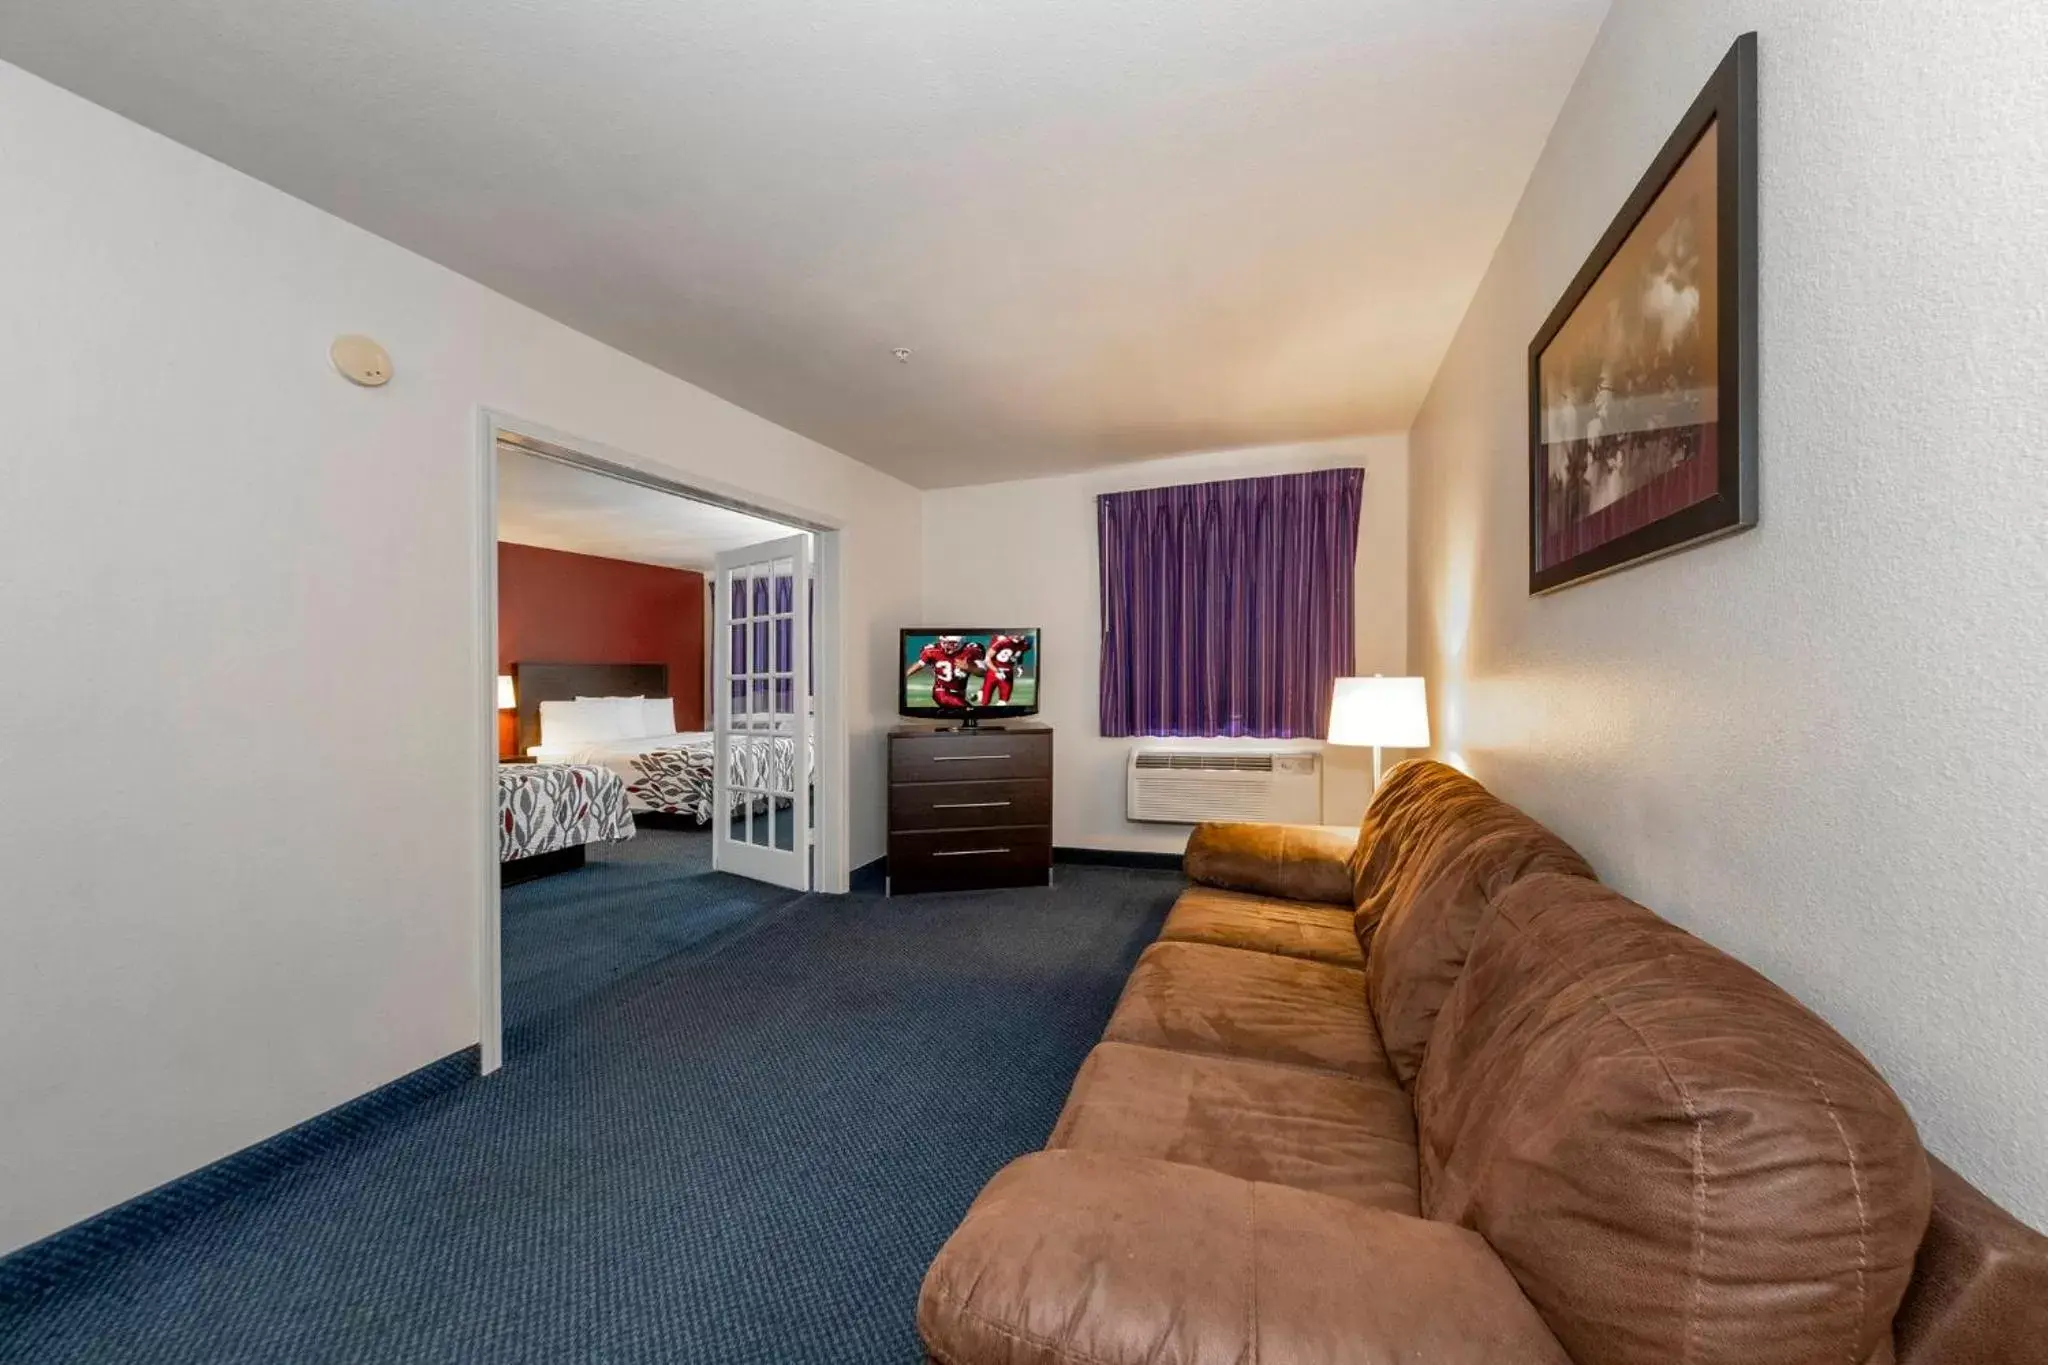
[{"x": 831, "y": 788}]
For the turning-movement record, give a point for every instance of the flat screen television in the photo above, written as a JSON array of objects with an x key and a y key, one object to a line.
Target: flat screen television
[{"x": 968, "y": 674}]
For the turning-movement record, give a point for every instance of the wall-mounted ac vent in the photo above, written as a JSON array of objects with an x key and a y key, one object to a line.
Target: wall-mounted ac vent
[
  {"x": 1208, "y": 763},
  {"x": 1187, "y": 786}
]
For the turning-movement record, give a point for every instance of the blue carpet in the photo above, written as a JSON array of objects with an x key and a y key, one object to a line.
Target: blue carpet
[
  {"x": 746, "y": 1149},
  {"x": 634, "y": 903}
]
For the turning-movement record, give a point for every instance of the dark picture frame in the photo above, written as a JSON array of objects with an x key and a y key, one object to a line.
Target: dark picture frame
[{"x": 1610, "y": 489}]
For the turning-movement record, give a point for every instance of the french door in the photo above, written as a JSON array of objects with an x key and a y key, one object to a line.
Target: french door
[{"x": 761, "y": 713}]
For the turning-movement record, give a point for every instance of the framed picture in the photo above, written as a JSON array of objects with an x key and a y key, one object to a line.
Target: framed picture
[{"x": 1642, "y": 382}]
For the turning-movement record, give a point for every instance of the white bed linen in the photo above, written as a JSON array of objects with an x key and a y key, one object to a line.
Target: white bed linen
[
  {"x": 672, "y": 774},
  {"x": 606, "y": 752}
]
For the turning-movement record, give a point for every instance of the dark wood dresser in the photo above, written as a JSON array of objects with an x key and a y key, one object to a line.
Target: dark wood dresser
[{"x": 970, "y": 808}]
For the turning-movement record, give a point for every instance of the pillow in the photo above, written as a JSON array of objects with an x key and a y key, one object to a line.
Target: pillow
[
  {"x": 627, "y": 717},
  {"x": 658, "y": 716},
  {"x": 567, "y": 722},
  {"x": 588, "y": 720}
]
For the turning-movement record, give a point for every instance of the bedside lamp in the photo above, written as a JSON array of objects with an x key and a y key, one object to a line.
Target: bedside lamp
[
  {"x": 507, "y": 699},
  {"x": 1378, "y": 712}
]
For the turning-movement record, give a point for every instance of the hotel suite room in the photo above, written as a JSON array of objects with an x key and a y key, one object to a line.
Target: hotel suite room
[{"x": 1653, "y": 384}]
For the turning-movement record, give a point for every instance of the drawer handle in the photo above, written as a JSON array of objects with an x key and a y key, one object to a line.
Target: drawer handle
[
  {"x": 964, "y": 852},
  {"x": 966, "y": 758},
  {"x": 966, "y": 805}
]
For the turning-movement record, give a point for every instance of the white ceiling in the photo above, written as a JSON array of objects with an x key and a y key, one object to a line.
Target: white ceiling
[
  {"x": 1108, "y": 230},
  {"x": 559, "y": 507}
]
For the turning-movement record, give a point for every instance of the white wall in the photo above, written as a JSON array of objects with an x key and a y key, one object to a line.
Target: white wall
[
  {"x": 1822, "y": 744},
  {"x": 238, "y": 599},
  {"x": 1051, "y": 580}
]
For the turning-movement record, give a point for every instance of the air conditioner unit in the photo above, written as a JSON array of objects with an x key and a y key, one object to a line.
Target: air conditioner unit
[{"x": 1187, "y": 786}]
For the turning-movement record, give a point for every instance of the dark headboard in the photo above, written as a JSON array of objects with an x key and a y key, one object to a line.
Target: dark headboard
[{"x": 533, "y": 684}]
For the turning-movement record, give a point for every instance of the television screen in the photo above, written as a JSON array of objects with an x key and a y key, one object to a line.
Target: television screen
[{"x": 964, "y": 674}]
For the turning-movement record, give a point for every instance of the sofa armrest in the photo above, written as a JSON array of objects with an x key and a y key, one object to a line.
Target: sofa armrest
[
  {"x": 1081, "y": 1258},
  {"x": 1293, "y": 862}
]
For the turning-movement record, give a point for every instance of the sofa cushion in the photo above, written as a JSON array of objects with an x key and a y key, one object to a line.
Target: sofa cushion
[
  {"x": 1075, "y": 1258},
  {"x": 1261, "y": 924},
  {"x": 1676, "y": 1159},
  {"x": 1394, "y": 804},
  {"x": 1980, "y": 1284},
  {"x": 1438, "y": 846},
  {"x": 1310, "y": 1130},
  {"x": 1195, "y": 997},
  {"x": 1293, "y": 862}
]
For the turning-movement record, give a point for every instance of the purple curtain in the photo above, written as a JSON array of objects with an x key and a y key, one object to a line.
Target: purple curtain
[{"x": 1227, "y": 607}]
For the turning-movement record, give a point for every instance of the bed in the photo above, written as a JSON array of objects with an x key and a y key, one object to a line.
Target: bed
[
  {"x": 672, "y": 774},
  {"x": 666, "y": 774},
  {"x": 549, "y": 813}
]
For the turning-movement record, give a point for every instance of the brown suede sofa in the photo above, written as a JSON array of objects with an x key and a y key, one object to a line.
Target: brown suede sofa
[{"x": 1432, "y": 1094}]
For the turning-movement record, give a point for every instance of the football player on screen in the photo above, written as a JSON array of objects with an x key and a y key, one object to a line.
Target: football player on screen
[
  {"x": 952, "y": 661},
  {"x": 999, "y": 673}
]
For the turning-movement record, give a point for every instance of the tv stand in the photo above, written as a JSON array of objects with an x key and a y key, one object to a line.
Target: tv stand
[{"x": 969, "y": 807}]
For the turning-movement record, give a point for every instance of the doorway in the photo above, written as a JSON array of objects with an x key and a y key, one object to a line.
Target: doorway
[{"x": 745, "y": 787}]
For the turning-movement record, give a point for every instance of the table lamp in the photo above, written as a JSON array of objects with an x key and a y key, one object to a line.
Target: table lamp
[{"x": 1380, "y": 712}]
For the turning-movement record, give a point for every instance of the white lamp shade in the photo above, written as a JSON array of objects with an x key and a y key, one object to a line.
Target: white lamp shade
[
  {"x": 506, "y": 700},
  {"x": 1386, "y": 713}
]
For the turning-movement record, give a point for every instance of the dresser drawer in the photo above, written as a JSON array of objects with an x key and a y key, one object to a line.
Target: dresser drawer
[
  {"x": 937, "y": 859},
  {"x": 970, "y": 757},
  {"x": 964, "y": 805}
]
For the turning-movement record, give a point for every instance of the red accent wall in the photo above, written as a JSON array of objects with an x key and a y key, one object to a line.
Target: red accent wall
[{"x": 557, "y": 607}]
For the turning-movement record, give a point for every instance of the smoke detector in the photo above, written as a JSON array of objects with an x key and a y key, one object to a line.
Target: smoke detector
[
  {"x": 902, "y": 354},
  {"x": 361, "y": 361}
]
